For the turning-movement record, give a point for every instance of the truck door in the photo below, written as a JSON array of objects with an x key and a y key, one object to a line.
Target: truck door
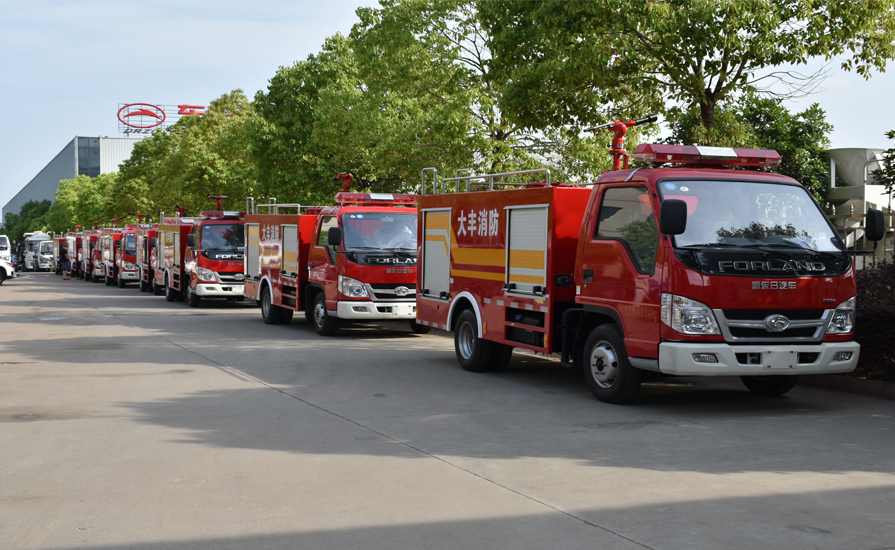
[
  {"x": 252, "y": 256},
  {"x": 436, "y": 263},
  {"x": 526, "y": 249},
  {"x": 619, "y": 265},
  {"x": 323, "y": 262}
]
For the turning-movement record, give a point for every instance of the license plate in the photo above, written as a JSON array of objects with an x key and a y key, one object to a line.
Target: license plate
[{"x": 779, "y": 359}]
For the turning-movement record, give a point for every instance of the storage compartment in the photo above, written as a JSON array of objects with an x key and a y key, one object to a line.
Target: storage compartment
[
  {"x": 525, "y": 317},
  {"x": 524, "y": 336}
]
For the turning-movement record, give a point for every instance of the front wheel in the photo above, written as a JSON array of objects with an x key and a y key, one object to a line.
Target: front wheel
[
  {"x": 473, "y": 353},
  {"x": 107, "y": 280},
  {"x": 192, "y": 298},
  {"x": 419, "y": 328},
  {"x": 607, "y": 372},
  {"x": 770, "y": 385},
  {"x": 2, "y": 276},
  {"x": 156, "y": 288},
  {"x": 121, "y": 282},
  {"x": 325, "y": 323}
]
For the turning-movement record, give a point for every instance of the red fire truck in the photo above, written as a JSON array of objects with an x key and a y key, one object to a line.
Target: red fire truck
[
  {"x": 742, "y": 274},
  {"x": 125, "y": 268},
  {"x": 355, "y": 261},
  {"x": 202, "y": 257},
  {"x": 90, "y": 254},
  {"x": 145, "y": 235},
  {"x": 110, "y": 245},
  {"x": 73, "y": 244}
]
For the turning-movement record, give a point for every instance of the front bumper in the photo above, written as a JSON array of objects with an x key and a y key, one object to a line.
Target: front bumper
[
  {"x": 677, "y": 358},
  {"x": 129, "y": 275},
  {"x": 376, "y": 310},
  {"x": 224, "y": 290}
]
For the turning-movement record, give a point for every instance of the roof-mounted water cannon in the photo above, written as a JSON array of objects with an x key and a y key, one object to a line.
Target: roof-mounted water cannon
[
  {"x": 96, "y": 225},
  {"x": 616, "y": 148},
  {"x": 138, "y": 216},
  {"x": 77, "y": 228},
  {"x": 348, "y": 177},
  {"x": 181, "y": 211},
  {"x": 114, "y": 221},
  {"x": 217, "y": 201}
]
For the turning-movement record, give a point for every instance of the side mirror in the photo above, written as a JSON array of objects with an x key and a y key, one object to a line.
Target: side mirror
[
  {"x": 191, "y": 240},
  {"x": 118, "y": 245},
  {"x": 335, "y": 236},
  {"x": 874, "y": 226},
  {"x": 673, "y": 217},
  {"x": 153, "y": 242}
]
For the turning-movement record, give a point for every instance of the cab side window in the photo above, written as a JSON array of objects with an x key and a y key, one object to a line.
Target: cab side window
[
  {"x": 323, "y": 238},
  {"x": 626, "y": 215}
]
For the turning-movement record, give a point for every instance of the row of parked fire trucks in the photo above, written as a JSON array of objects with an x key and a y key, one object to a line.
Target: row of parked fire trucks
[{"x": 697, "y": 264}]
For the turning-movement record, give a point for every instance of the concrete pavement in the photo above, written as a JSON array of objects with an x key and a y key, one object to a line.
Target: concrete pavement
[{"x": 130, "y": 422}]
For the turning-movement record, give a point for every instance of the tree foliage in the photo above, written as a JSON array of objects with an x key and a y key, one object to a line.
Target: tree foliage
[
  {"x": 31, "y": 217},
  {"x": 569, "y": 60},
  {"x": 757, "y": 122}
]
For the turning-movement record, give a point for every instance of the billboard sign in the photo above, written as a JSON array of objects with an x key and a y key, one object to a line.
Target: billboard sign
[{"x": 145, "y": 118}]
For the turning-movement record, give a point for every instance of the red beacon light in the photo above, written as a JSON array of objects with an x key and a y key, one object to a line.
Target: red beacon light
[
  {"x": 374, "y": 199},
  {"x": 708, "y": 156}
]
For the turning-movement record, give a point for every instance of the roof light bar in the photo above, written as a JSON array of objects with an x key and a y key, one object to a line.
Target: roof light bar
[
  {"x": 710, "y": 156},
  {"x": 373, "y": 199}
]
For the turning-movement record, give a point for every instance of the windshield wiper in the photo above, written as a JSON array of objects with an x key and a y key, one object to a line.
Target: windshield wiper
[{"x": 709, "y": 245}]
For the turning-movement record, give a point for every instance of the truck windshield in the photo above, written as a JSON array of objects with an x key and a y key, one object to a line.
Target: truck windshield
[
  {"x": 46, "y": 248},
  {"x": 4, "y": 242},
  {"x": 379, "y": 230},
  {"x": 130, "y": 244},
  {"x": 750, "y": 214},
  {"x": 222, "y": 237}
]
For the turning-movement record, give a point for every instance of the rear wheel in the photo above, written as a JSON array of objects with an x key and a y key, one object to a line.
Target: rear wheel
[
  {"x": 419, "y": 328},
  {"x": 121, "y": 282},
  {"x": 170, "y": 293},
  {"x": 502, "y": 354},
  {"x": 269, "y": 311},
  {"x": 608, "y": 374},
  {"x": 286, "y": 315},
  {"x": 473, "y": 353},
  {"x": 770, "y": 385},
  {"x": 107, "y": 280},
  {"x": 325, "y": 323}
]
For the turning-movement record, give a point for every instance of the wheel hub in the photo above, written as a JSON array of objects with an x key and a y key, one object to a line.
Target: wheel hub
[
  {"x": 319, "y": 314},
  {"x": 466, "y": 340},
  {"x": 604, "y": 364}
]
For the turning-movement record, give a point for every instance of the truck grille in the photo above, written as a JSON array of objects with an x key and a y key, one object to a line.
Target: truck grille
[
  {"x": 750, "y": 325},
  {"x": 387, "y": 292},
  {"x": 231, "y": 278}
]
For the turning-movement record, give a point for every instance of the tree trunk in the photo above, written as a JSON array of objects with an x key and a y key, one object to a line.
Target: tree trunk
[{"x": 707, "y": 110}]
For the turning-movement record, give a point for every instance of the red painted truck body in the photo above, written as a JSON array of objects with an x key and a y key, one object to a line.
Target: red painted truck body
[{"x": 758, "y": 285}]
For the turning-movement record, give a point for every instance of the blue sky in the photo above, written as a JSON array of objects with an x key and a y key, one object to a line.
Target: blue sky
[{"x": 65, "y": 67}]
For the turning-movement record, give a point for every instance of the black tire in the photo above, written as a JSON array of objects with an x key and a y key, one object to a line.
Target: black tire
[
  {"x": 770, "y": 385},
  {"x": 192, "y": 298},
  {"x": 325, "y": 323},
  {"x": 270, "y": 313},
  {"x": 309, "y": 308},
  {"x": 286, "y": 315},
  {"x": 170, "y": 293},
  {"x": 121, "y": 282},
  {"x": 2, "y": 276},
  {"x": 607, "y": 371},
  {"x": 156, "y": 288},
  {"x": 473, "y": 353},
  {"x": 502, "y": 354},
  {"x": 107, "y": 280},
  {"x": 419, "y": 328}
]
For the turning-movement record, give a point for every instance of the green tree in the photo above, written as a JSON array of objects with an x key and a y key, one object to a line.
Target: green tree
[
  {"x": 31, "y": 217},
  {"x": 886, "y": 173},
  {"x": 566, "y": 60},
  {"x": 757, "y": 122}
]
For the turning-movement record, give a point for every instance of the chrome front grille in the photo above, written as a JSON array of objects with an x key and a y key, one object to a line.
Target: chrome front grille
[
  {"x": 753, "y": 325},
  {"x": 231, "y": 278},
  {"x": 388, "y": 292}
]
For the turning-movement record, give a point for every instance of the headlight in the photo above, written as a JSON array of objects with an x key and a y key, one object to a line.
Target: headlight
[
  {"x": 688, "y": 316},
  {"x": 129, "y": 266},
  {"x": 205, "y": 274},
  {"x": 352, "y": 287},
  {"x": 843, "y": 320}
]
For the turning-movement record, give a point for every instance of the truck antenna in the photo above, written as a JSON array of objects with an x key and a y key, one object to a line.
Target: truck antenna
[
  {"x": 617, "y": 149},
  {"x": 217, "y": 201}
]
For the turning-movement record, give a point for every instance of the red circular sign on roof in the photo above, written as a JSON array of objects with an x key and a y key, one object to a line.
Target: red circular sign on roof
[{"x": 141, "y": 115}]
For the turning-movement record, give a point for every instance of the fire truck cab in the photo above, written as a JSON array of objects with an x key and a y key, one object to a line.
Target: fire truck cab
[
  {"x": 145, "y": 236},
  {"x": 126, "y": 257},
  {"x": 109, "y": 245},
  {"x": 355, "y": 261},
  {"x": 697, "y": 264}
]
